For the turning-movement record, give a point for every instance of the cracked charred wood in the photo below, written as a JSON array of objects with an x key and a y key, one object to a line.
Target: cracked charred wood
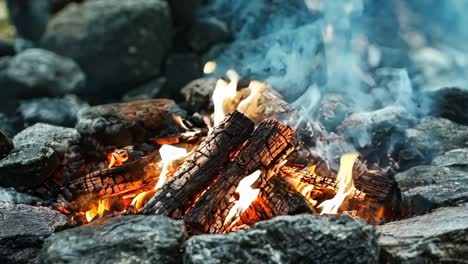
[
  {"x": 270, "y": 141},
  {"x": 276, "y": 197},
  {"x": 123, "y": 124},
  {"x": 6, "y": 145},
  {"x": 283, "y": 199},
  {"x": 110, "y": 181},
  {"x": 196, "y": 173}
]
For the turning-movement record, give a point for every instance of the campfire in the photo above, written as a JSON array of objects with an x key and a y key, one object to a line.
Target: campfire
[{"x": 243, "y": 166}]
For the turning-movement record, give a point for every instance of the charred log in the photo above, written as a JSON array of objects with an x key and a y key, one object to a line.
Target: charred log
[
  {"x": 109, "y": 181},
  {"x": 270, "y": 141},
  {"x": 123, "y": 124},
  {"x": 196, "y": 173}
]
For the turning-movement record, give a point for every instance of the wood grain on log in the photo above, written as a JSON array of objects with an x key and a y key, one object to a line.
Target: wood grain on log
[
  {"x": 270, "y": 141},
  {"x": 196, "y": 173},
  {"x": 107, "y": 181}
]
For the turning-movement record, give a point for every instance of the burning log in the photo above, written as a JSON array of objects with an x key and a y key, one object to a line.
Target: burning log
[
  {"x": 107, "y": 181},
  {"x": 195, "y": 174},
  {"x": 270, "y": 141}
]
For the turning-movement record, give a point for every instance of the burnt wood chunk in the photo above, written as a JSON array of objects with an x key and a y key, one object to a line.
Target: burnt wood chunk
[
  {"x": 196, "y": 173},
  {"x": 39, "y": 151},
  {"x": 270, "y": 141},
  {"x": 122, "y": 124},
  {"x": 6, "y": 145},
  {"x": 113, "y": 180},
  {"x": 283, "y": 199}
]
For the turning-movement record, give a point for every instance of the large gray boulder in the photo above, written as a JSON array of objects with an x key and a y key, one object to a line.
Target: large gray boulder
[
  {"x": 38, "y": 72},
  {"x": 438, "y": 237},
  {"x": 38, "y": 152},
  {"x": 128, "y": 239},
  {"x": 290, "y": 239},
  {"x": 443, "y": 183},
  {"x": 118, "y": 44},
  {"x": 23, "y": 229}
]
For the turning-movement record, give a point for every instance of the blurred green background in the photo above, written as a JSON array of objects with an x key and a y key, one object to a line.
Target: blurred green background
[{"x": 6, "y": 29}]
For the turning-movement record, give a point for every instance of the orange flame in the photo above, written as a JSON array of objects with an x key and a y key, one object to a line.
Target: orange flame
[
  {"x": 168, "y": 154},
  {"x": 246, "y": 196},
  {"x": 345, "y": 184},
  {"x": 117, "y": 157}
]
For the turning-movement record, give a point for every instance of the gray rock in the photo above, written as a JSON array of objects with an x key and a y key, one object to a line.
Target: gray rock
[
  {"x": 23, "y": 229},
  {"x": 451, "y": 103},
  {"x": 6, "y": 145},
  {"x": 290, "y": 239},
  {"x": 128, "y": 239},
  {"x": 38, "y": 152},
  {"x": 449, "y": 134},
  {"x": 181, "y": 68},
  {"x": 289, "y": 60},
  {"x": 332, "y": 111},
  {"x": 367, "y": 128},
  {"x": 37, "y": 72},
  {"x": 444, "y": 183},
  {"x": 438, "y": 237},
  {"x": 149, "y": 90},
  {"x": 10, "y": 125},
  {"x": 10, "y": 195},
  {"x": 123, "y": 124},
  {"x": 29, "y": 17},
  {"x": 206, "y": 32},
  {"x": 118, "y": 44},
  {"x": 198, "y": 93},
  {"x": 54, "y": 111}
]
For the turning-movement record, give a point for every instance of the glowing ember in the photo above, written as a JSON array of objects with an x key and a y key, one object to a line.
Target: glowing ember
[
  {"x": 224, "y": 92},
  {"x": 345, "y": 185},
  {"x": 246, "y": 196},
  {"x": 209, "y": 67},
  {"x": 168, "y": 154},
  {"x": 117, "y": 157}
]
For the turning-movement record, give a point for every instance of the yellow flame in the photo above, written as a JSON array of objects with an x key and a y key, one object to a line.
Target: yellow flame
[
  {"x": 168, "y": 155},
  {"x": 140, "y": 200},
  {"x": 224, "y": 92},
  {"x": 99, "y": 210},
  {"x": 246, "y": 196},
  {"x": 117, "y": 157},
  {"x": 250, "y": 105},
  {"x": 345, "y": 184},
  {"x": 209, "y": 67}
]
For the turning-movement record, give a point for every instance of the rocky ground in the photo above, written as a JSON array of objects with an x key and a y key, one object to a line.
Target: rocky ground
[{"x": 70, "y": 60}]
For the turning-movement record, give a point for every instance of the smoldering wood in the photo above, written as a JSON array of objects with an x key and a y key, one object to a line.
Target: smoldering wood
[
  {"x": 109, "y": 181},
  {"x": 123, "y": 124},
  {"x": 276, "y": 197},
  {"x": 270, "y": 141},
  {"x": 283, "y": 199},
  {"x": 196, "y": 173}
]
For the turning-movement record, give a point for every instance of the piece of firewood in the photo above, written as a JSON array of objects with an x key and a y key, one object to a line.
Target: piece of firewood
[
  {"x": 196, "y": 173},
  {"x": 107, "y": 181},
  {"x": 276, "y": 197},
  {"x": 270, "y": 141}
]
